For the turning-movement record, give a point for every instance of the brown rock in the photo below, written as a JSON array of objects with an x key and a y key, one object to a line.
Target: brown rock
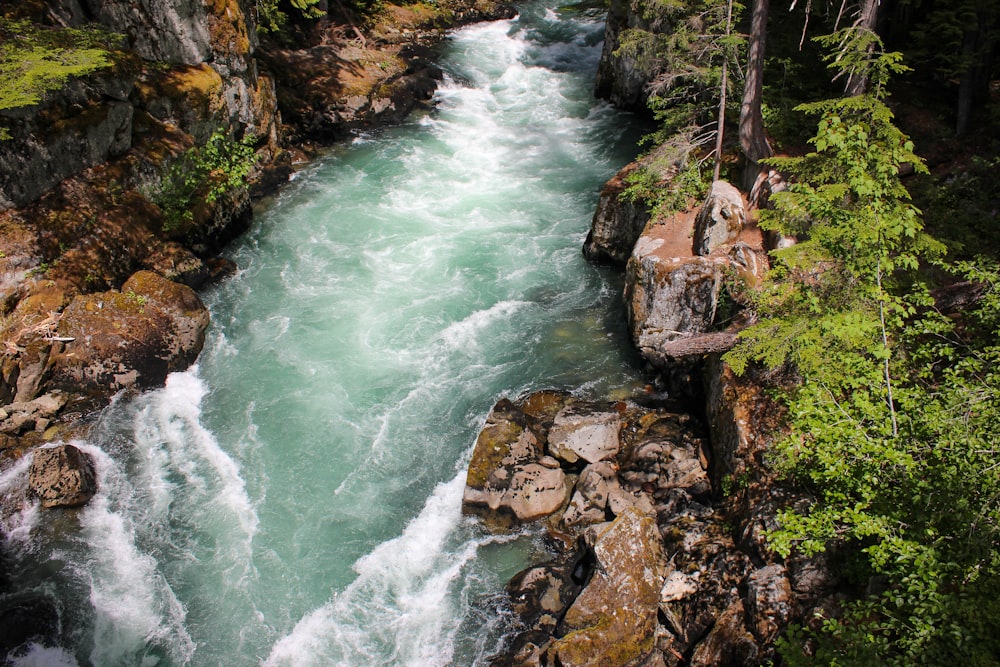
[
  {"x": 113, "y": 340},
  {"x": 768, "y": 602},
  {"x": 728, "y": 643},
  {"x": 613, "y": 620},
  {"x": 62, "y": 476}
]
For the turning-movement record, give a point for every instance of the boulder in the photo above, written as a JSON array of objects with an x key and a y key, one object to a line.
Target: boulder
[
  {"x": 541, "y": 594},
  {"x": 175, "y": 262},
  {"x": 62, "y": 476},
  {"x": 110, "y": 341},
  {"x": 613, "y": 620},
  {"x": 617, "y": 223},
  {"x": 668, "y": 298},
  {"x": 510, "y": 480},
  {"x": 728, "y": 643},
  {"x": 768, "y": 602},
  {"x": 585, "y": 433},
  {"x": 15, "y": 418},
  {"x": 590, "y": 499},
  {"x": 720, "y": 220}
]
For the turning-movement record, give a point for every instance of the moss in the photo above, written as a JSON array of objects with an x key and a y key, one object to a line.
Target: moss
[
  {"x": 196, "y": 87},
  {"x": 492, "y": 446},
  {"x": 611, "y": 642},
  {"x": 228, "y": 28},
  {"x": 35, "y": 60}
]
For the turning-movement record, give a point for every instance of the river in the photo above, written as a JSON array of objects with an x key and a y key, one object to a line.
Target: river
[{"x": 294, "y": 499}]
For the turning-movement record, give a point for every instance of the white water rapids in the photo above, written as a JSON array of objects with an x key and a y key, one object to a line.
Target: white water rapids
[{"x": 295, "y": 499}]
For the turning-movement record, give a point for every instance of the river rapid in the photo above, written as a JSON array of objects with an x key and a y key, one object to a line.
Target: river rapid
[{"x": 295, "y": 498}]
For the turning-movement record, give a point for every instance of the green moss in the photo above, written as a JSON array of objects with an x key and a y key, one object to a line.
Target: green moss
[
  {"x": 609, "y": 642},
  {"x": 492, "y": 446},
  {"x": 35, "y": 60}
]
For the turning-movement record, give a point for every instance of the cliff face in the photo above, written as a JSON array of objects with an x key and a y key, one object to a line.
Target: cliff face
[{"x": 622, "y": 79}]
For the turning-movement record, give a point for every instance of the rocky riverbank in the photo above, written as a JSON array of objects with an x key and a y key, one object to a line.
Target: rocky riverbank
[{"x": 657, "y": 513}]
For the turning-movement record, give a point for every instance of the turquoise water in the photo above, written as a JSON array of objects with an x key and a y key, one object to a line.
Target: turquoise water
[{"x": 295, "y": 498}]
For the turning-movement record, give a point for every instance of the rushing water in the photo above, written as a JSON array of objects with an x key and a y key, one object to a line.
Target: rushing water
[{"x": 295, "y": 498}]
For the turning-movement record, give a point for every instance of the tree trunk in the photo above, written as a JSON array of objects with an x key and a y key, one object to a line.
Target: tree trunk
[
  {"x": 720, "y": 129},
  {"x": 752, "y": 138},
  {"x": 857, "y": 82}
]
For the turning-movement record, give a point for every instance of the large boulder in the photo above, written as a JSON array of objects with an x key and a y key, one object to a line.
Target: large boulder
[
  {"x": 584, "y": 433},
  {"x": 110, "y": 341},
  {"x": 720, "y": 220},
  {"x": 613, "y": 620},
  {"x": 673, "y": 302},
  {"x": 62, "y": 476},
  {"x": 510, "y": 480},
  {"x": 667, "y": 298}
]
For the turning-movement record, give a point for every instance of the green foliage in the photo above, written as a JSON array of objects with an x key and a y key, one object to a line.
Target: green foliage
[
  {"x": 272, "y": 15},
  {"x": 669, "y": 181},
  {"x": 682, "y": 53},
  {"x": 204, "y": 174},
  {"x": 35, "y": 60},
  {"x": 893, "y": 430}
]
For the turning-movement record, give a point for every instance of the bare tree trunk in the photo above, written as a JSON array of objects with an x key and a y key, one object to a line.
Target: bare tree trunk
[
  {"x": 722, "y": 99},
  {"x": 752, "y": 138},
  {"x": 974, "y": 82},
  {"x": 857, "y": 82}
]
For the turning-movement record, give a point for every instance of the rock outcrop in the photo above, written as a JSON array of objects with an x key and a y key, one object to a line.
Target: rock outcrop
[
  {"x": 661, "y": 556},
  {"x": 617, "y": 223},
  {"x": 621, "y": 78},
  {"x": 62, "y": 476},
  {"x": 720, "y": 220}
]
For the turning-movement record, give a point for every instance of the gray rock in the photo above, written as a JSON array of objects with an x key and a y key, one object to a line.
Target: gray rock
[
  {"x": 670, "y": 298},
  {"x": 578, "y": 433},
  {"x": 612, "y": 623},
  {"x": 62, "y": 476},
  {"x": 768, "y": 602},
  {"x": 720, "y": 219},
  {"x": 173, "y": 31}
]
